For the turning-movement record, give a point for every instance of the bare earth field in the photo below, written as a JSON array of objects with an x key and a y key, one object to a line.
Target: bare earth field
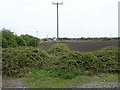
[{"x": 82, "y": 45}]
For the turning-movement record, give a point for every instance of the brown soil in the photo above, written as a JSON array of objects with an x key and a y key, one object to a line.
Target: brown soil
[{"x": 82, "y": 45}]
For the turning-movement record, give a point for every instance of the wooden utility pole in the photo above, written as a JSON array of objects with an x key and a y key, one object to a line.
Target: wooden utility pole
[
  {"x": 37, "y": 34},
  {"x": 57, "y": 19}
]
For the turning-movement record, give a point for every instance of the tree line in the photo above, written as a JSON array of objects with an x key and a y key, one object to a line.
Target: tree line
[
  {"x": 82, "y": 38},
  {"x": 9, "y": 39}
]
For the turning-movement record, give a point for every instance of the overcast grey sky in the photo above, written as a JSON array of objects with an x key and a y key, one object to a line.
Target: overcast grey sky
[{"x": 77, "y": 18}]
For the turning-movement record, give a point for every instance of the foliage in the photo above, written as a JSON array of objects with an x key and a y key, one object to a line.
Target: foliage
[
  {"x": 108, "y": 59},
  {"x": 9, "y": 39},
  {"x": 47, "y": 79},
  {"x": 30, "y": 40},
  {"x": 20, "y": 41},
  {"x": 59, "y": 49},
  {"x": 70, "y": 63},
  {"x": 20, "y": 60},
  {"x": 86, "y": 38},
  {"x": 60, "y": 59}
]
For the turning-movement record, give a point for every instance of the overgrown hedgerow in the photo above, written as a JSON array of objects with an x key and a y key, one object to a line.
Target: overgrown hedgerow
[
  {"x": 65, "y": 61},
  {"x": 108, "y": 59},
  {"x": 61, "y": 60},
  {"x": 20, "y": 60}
]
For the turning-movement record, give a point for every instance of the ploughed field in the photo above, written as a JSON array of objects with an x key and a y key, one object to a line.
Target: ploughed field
[{"x": 82, "y": 45}]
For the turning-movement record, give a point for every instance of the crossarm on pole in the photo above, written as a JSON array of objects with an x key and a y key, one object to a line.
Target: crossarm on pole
[{"x": 57, "y": 3}]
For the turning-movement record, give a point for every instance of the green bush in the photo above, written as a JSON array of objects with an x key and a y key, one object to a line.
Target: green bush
[
  {"x": 20, "y": 60},
  {"x": 57, "y": 52},
  {"x": 59, "y": 49},
  {"x": 89, "y": 62},
  {"x": 9, "y": 39},
  {"x": 66, "y": 61},
  {"x": 61, "y": 60},
  {"x": 107, "y": 59}
]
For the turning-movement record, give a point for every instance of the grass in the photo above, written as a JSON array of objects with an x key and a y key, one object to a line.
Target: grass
[{"x": 47, "y": 79}]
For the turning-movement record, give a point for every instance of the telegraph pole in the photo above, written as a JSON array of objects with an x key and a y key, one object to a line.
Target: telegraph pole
[
  {"x": 57, "y": 19},
  {"x": 37, "y": 34}
]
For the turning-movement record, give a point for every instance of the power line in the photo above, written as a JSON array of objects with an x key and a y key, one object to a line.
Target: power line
[{"x": 57, "y": 19}]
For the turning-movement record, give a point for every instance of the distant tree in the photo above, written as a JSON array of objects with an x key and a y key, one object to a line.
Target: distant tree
[
  {"x": 8, "y": 38},
  {"x": 26, "y": 38},
  {"x": 20, "y": 41},
  {"x": 30, "y": 40},
  {"x": 33, "y": 42}
]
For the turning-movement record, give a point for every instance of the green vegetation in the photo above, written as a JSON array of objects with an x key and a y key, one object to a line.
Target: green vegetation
[
  {"x": 83, "y": 38},
  {"x": 47, "y": 79},
  {"x": 20, "y": 60},
  {"x": 9, "y": 39},
  {"x": 60, "y": 59},
  {"x": 57, "y": 67}
]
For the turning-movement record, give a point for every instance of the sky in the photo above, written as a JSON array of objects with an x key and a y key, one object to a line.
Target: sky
[{"x": 77, "y": 18}]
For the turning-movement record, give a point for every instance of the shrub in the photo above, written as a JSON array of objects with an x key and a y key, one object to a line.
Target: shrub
[
  {"x": 59, "y": 49},
  {"x": 107, "y": 59},
  {"x": 59, "y": 59},
  {"x": 88, "y": 62},
  {"x": 19, "y": 60},
  {"x": 9, "y": 39}
]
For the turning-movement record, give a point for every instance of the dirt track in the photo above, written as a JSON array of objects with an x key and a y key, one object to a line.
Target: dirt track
[
  {"x": 98, "y": 85},
  {"x": 12, "y": 83},
  {"x": 17, "y": 83}
]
